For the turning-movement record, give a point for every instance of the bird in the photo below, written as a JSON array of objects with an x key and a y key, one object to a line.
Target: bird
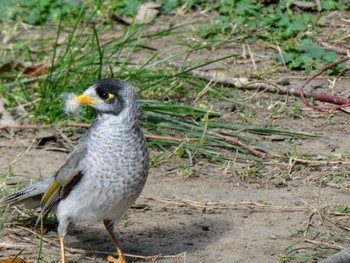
[{"x": 106, "y": 171}]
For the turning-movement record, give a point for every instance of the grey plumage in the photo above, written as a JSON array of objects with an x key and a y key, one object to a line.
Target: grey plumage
[
  {"x": 106, "y": 171},
  {"x": 30, "y": 196}
]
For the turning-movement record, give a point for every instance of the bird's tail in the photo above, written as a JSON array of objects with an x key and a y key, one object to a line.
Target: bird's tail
[{"x": 30, "y": 196}]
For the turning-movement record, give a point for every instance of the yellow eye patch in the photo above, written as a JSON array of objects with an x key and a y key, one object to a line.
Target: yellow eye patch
[{"x": 110, "y": 97}]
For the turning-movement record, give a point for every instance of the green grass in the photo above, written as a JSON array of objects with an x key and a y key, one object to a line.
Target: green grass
[
  {"x": 84, "y": 57},
  {"x": 160, "y": 85},
  {"x": 4, "y": 218},
  {"x": 322, "y": 245},
  {"x": 301, "y": 252},
  {"x": 7, "y": 189},
  {"x": 166, "y": 92}
]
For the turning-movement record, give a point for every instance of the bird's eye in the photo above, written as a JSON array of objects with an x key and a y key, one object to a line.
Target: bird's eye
[
  {"x": 109, "y": 97},
  {"x": 104, "y": 95}
]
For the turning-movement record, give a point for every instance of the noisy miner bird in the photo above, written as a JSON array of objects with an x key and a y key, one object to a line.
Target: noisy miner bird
[{"x": 106, "y": 171}]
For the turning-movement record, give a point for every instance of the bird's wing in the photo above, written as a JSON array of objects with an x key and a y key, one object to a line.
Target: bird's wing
[
  {"x": 30, "y": 195},
  {"x": 69, "y": 173}
]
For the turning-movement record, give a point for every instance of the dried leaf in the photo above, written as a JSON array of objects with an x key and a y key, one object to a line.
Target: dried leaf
[
  {"x": 34, "y": 70},
  {"x": 13, "y": 260},
  {"x": 28, "y": 68}
]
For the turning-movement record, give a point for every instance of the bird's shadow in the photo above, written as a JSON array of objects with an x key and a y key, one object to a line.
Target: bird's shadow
[
  {"x": 174, "y": 238},
  {"x": 166, "y": 232}
]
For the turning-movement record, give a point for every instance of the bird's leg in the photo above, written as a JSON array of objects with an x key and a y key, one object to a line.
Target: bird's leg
[
  {"x": 63, "y": 254},
  {"x": 121, "y": 258}
]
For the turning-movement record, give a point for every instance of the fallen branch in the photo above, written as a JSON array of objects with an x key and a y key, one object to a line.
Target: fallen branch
[
  {"x": 220, "y": 78},
  {"x": 243, "y": 145},
  {"x": 310, "y": 5},
  {"x": 228, "y": 139},
  {"x": 303, "y": 95},
  {"x": 40, "y": 127},
  {"x": 335, "y": 48}
]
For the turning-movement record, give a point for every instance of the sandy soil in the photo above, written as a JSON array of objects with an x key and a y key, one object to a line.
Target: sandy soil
[{"x": 235, "y": 211}]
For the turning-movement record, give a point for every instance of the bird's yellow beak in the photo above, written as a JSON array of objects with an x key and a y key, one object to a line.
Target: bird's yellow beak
[{"x": 83, "y": 99}]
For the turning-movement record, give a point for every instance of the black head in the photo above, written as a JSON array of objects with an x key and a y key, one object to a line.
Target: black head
[{"x": 111, "y": 96}]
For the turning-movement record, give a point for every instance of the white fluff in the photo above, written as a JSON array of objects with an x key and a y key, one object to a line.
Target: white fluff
[{"x": 72, "y": 107}]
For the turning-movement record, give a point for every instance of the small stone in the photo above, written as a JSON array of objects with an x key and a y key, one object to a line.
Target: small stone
[
  {"x": 205, "y": 227},
  {"x": 278, "y": 182},
  {"x": 283, "y": 81},
  {"x": 224, "y": 106}
]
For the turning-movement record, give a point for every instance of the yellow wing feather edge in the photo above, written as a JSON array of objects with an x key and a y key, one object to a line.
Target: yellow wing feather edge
[{"x": 53, "y": 188}]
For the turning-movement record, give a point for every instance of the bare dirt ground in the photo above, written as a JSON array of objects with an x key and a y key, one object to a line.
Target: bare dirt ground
[{"x": 236, "y": 211}]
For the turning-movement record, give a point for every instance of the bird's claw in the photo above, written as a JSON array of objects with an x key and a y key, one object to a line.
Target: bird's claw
[{"x": 120, "y": 259}]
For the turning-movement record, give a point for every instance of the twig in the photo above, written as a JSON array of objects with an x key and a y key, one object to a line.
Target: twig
[
  {"x": 319, "y": 209},
  {"x": 251, "y": 206},
  {"x": 274, "y": 155},
  {"x": 24, "y": 127},
  {"x": 301, "y": 4},
  {"x": 338, "y": 49},
  {"x": 40, "y": 127},
  {"x": 319, "y": 6},
  {"x": 158, "y": 137},
  {"x": 65, "y": 138},
  {"x": 323, "y": 244},
  {"x": 308, "y": 223},
  {"x": 79, "y": 125},
  {"x": 239, "y": 143},
  {"x": 19, "y": 156},
  {"x": 305, "y": 161},
  {"x": 37, "y": 235}
]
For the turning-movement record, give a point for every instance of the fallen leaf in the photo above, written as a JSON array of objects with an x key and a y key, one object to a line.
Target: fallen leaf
[
  {"x": 34, "y": 70},
  {"x": 13, "y": 260},
  {"x": 28, "y": 68}
]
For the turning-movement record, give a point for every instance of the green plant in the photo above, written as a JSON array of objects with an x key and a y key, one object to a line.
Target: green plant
[
  {"x": 130, "y": 8},
  {"x": 247, "y": 116},
  {"x": 37, "y": 12},
  {"x": 307, "y": 56},
  {"x": 126, "y": 223},
  {"x": 249, "y": 173},
  {"x": 295, "y": 112},
  {"x": 278, "y": 23},
  {"x": 4, "y": 218},
  {"x": 91, "y": 236},
  {"x": 6, "y": 189},
  {"x": 71, "y": 70}
]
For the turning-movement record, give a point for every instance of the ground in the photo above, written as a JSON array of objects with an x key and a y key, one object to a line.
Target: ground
[{"x": 237, "y": 211}]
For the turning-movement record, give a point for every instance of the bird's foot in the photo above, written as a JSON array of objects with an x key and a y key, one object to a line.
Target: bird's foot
[{"x": 120, "y": 259}]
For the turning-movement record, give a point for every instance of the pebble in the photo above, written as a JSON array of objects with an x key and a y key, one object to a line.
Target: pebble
[
  {"x": 224, "y": 106},
  {"x": 283, "y": 81}
]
